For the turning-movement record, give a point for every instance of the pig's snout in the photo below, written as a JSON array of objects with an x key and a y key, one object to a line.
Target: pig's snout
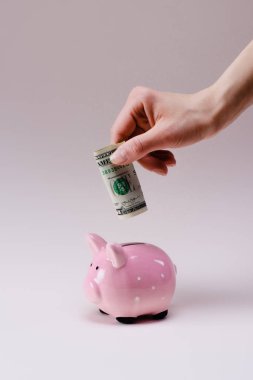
[{"x": 92, "y": 291}]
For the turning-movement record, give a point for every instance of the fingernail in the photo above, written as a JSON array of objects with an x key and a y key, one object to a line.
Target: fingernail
[
  {"x": 160, "y": 171},
  {"x": 118, "y": 157}
]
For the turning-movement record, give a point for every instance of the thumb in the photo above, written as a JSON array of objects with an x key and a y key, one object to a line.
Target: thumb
[{"x": 136, "y": 147}]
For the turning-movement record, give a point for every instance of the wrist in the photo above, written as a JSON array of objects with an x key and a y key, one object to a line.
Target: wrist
[
  {"x": 215, "y": 109},
  {"x": 208, "y": 109},
  {"x": 229, "y": 98}
]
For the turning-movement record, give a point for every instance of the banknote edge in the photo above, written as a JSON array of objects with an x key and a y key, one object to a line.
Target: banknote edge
[{"x": 107, "y": 148}]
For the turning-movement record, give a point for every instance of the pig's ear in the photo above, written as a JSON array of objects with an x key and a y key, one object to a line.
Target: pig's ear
[
  {"x": 95, "y": 242},
  {"x": 115, "y": 253}
]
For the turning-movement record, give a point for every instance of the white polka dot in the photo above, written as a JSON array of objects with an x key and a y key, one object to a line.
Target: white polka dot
[
  {"x": 133, "y": 257},
  {"x": 162, "y": 275},
  {"x": 160, "y": 262},
  {"x": 137, "y": 299},
  {"x": 153, "y": 287},
  {"x": 139, "y": 278}
]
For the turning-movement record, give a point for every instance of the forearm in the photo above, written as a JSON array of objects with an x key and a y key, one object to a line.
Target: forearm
[{"x": 233, "y": 91}]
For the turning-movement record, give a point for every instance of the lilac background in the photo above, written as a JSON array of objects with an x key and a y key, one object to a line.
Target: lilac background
[{"x": 66, "y": 68}]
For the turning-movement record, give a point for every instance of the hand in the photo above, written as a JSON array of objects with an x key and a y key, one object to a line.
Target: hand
[{"x": 152, "y": 120}]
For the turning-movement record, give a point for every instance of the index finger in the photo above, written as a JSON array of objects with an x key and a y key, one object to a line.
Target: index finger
[{"x": 124, "y": 125}]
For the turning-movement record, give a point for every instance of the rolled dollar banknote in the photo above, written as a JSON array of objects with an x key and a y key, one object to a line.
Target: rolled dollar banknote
[{"x": 122, "y": 184}]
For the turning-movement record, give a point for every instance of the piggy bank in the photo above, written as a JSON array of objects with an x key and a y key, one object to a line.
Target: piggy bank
[{"x": 130, "y": 281}]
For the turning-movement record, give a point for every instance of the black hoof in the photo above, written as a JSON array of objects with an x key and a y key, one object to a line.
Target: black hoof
[
  {"x": 160, "y": 315},
  {"x": 103, "y": 312},
  {"x": 126, "y": 320}
]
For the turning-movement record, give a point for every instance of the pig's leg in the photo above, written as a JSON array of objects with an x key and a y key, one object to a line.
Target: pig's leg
[
  {"x": 160, "y": 315},
  {"x": 103, "y": 312},
  {"x": 126, "y": 320}
]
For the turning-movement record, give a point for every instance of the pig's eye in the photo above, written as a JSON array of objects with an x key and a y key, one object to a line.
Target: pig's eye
[
  {"x": 97, "y": 268},
  {"x": 90, "y": 264}
]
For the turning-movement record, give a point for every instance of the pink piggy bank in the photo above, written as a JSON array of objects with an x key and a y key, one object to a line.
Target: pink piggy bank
[{"x": 130, "y": 281}]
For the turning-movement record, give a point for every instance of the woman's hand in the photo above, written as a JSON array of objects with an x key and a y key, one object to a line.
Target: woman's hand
[{"x": 153, "y": 120}]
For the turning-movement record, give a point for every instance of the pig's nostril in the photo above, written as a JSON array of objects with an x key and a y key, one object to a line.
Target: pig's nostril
[
  {"x": 97, "y": 268},
  {"x": 91, "y": 265}
]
